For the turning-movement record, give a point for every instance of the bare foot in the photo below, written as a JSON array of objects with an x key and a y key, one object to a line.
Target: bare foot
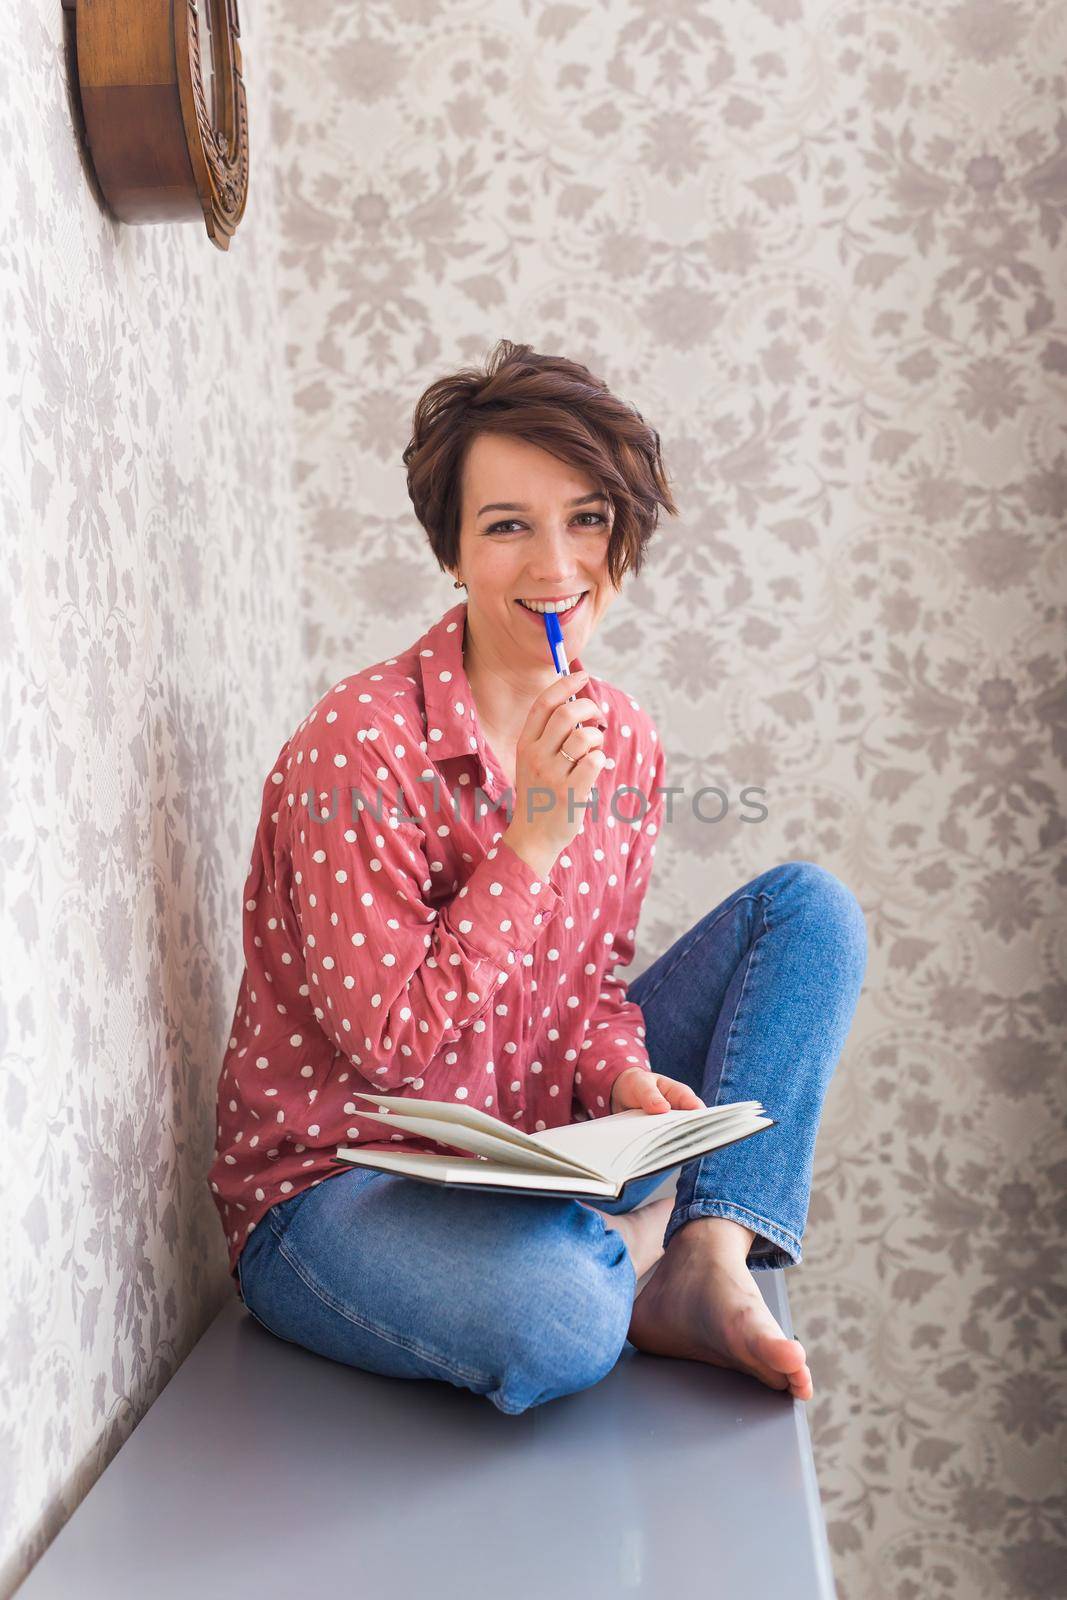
[
  {"x": 703, "y": 1305},
  {"x": 642, "y": 1229}
]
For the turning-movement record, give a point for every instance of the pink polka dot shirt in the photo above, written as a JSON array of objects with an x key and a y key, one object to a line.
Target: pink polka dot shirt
[{"x": 394, "y": 941}]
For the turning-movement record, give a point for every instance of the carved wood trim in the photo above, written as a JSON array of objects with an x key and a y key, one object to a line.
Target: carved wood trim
[{"x": 160, "y": 152}]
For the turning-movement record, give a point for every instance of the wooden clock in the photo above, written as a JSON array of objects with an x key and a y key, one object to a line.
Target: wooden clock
[{"x": 164, "y": 105}]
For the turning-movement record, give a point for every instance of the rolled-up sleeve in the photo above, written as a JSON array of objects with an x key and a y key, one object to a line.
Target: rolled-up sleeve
[
  {"x": 392, "y": 978},
  {"x": 615, "y": 1030}
]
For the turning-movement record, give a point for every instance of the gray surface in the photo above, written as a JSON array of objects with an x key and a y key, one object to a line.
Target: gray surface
[{"x": 263, "y": 1469}]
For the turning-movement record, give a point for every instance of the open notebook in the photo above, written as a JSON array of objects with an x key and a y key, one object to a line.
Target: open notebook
[{"x": 598, "y": 1157}]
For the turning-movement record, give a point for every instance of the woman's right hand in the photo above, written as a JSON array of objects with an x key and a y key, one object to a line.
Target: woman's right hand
[{"x": 550, "y": 724}]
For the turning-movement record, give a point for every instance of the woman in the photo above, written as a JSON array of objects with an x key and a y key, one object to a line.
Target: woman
[{"x": 401, "y": 935}]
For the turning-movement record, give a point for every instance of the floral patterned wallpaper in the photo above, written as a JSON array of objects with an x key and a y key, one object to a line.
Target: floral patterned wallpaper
[
  {"x": 149, "y": 650},
  {"x": 821, "y": 248}
]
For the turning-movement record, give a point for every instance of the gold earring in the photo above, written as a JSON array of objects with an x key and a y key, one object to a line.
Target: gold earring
[{"x": 457, "y": 585}]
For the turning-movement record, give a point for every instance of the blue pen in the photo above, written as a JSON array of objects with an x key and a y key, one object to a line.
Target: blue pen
[
  {"x": 555, "y": 645},
  {"x": 554, "y": 634}
]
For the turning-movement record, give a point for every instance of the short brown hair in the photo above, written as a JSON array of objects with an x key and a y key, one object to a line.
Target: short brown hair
[{"x": 550, "y": 402}]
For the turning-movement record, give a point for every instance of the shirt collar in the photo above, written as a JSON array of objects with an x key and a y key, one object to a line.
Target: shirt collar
[
  {"x": 451, "y": 720},
  {"x": 452, "y": 726}
]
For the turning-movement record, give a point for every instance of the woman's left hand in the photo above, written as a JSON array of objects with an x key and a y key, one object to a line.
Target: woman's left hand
[{"x": 639, "y": 1090}]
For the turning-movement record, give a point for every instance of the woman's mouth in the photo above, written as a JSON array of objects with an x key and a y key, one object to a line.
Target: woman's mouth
[{"x": 564, "y": 613}]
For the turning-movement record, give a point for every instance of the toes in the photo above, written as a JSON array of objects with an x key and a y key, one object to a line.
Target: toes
[
  {"x": 801, "y": 1384},
  {"x": 793, "y": 1358},
  {"x": 771, "y": 1348},
  {"x": 779, "y": 1361},
  {"x": 766, "y": 1371}
]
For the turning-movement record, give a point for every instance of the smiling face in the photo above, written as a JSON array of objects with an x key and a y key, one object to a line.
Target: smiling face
[{"x": 535, "y": 529}]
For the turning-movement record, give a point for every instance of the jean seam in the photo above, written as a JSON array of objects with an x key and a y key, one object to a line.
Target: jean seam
[
  {"x": 770, "y": 1230},
  {"x": 465, "y": 1374},
  {"x": 682, "y": 954},
  {"x": 271, "y": 1214},
  {"x": 690, "y": 1209},
  {"x": 755, "y": 955},
  {"x": 254, "y": 1314}
]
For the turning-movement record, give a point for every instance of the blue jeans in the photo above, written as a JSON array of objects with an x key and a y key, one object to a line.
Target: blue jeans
[{"x": 522, "y": 1298}]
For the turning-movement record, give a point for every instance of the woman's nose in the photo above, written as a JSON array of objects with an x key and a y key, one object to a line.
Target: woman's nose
[{"x": 553, "y": 552}]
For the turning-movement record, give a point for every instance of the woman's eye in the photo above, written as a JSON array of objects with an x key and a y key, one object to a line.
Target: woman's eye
[{"x": 597, "y": 518}]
